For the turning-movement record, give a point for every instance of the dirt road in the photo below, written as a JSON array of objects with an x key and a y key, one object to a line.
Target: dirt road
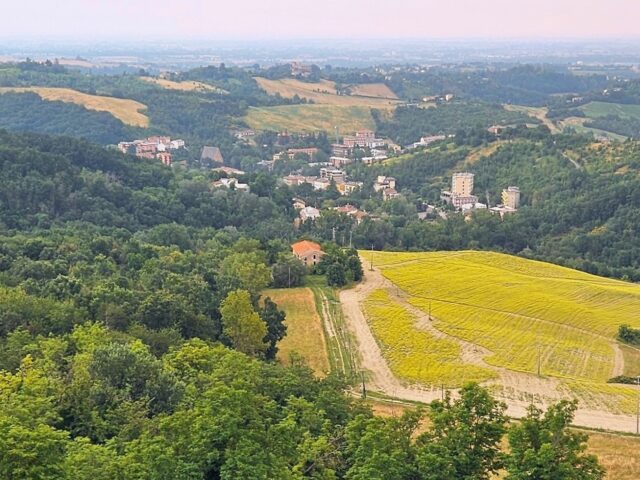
[{"x": 516, "y": 389}]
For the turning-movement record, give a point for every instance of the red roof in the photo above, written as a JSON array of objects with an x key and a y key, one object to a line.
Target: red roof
[{"x": 303, "y": 246}]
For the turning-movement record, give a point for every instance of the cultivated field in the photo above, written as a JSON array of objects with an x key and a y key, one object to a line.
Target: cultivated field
[
  {"x": 305, "y": 335},
  {"x": 125, "y": 110},
  {"x": 415, "y": 354},
  {"x": 373, "y": 95},
  {"x": 518, "y": 313},
  {"x": 602, "y": 109},
  {"x": 186, "y": 86},
  {"x": 310, "y": 118}
]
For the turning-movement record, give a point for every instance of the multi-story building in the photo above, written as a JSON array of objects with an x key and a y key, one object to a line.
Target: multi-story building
[
  {"x": 383, "y": 183},
  {"x": 511, "y": 197},
  {"x": 309, "y": 253},
  {"x": 462, "y": 184},
  {"x": 332, "y": 173}
]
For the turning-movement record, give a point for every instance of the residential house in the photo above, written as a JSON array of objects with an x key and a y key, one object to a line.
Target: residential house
[
  {"x": 164, "y": 157},
  {"x": 309, "y": 253},
  {"x": 311, "y": 152},
  {"x": 229, "y": 171},
  {"x": 299, "y": 204},
  {"x": 321, "y": 183},
  {"x": 230, "y": 183},
  {"x": 332, "y": 173},
  {"x": 294, "y": 180},
  {"x": 245, "y": 134},
  {"x": 340, "y": 161},
  {"x": 389, "y": 194},
  {"x": 347, "y": 188},
  {"x": 309, "y": 213}
]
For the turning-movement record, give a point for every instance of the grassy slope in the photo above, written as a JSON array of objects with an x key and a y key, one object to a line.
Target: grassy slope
[
  {"x": 128, "y": 111},
  {"x": 602, "y": 109},
  {"x": 186, "y": 86},
  {"x": 305, "y": 334},
  {"x": 310, "y": 118}
]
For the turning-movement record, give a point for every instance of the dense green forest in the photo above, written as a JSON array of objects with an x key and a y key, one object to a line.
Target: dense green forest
[{"x": 408, "y": 124}]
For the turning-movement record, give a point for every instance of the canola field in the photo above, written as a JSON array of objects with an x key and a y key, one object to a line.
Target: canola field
[
  {"x": 524, "y": 312},
  {"x": 416, "y": 355}
]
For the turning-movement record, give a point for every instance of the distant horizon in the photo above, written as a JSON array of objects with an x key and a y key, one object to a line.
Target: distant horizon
[{"x": 298, "y": 20}]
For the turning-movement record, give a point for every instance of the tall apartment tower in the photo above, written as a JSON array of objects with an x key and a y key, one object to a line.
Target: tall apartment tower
[
  {"x": 462, "y": 184},
  {"x": 511, "y": 197}
]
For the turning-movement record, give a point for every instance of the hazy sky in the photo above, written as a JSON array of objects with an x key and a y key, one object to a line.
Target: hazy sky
[{"x": 236, "y": 19}]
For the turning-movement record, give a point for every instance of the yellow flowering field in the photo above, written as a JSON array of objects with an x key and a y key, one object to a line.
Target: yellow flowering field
[
  {"x": 517, "y": 308},
  {"x": 413, "y": 354}
]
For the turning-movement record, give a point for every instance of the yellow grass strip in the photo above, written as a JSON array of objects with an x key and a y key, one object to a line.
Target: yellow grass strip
[
  {"x": 185, "y": 86},
  {"x": 305, "y": 335},
  {"x": 125, "y": 110}
]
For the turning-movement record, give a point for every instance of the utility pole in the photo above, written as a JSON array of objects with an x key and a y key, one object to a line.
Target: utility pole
[
  {"x": 333, "y": 234},
  {"x": 371, "y": 264},
  {"x": 364, "y": 388},
  {"x": 638, "y": 407},
  {"x": 539, "y": 360},
  {"x": 289, "y": 276}
]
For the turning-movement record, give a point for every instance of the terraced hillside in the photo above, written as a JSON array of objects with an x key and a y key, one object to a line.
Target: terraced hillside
[{"x": 498, "y": 315}]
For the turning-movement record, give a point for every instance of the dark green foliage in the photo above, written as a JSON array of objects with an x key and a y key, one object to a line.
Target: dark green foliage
[
  {"x": 276, "y": 329},
  {"x": 629, "y": 127},
  {"x": 408, "y": 124},
  {"x": 464, "y": 443},
  {"x": 629, "y": 335},
  {"x": 543, "y": 447},
  {"x": 28, "y": 112},
  {"x": 288, "y": 272},
  {"x": 341, "y": 266},
  {"x": 624, "y": 380}
]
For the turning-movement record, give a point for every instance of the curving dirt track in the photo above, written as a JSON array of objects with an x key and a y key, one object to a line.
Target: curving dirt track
[{"x": 516, "y": 389}]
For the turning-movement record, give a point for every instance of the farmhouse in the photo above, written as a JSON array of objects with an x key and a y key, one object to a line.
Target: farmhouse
[{"x": 309, "y": 253}]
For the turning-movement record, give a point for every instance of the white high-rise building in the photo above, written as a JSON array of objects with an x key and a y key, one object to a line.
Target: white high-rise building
[{"x": 462, "y": 184}]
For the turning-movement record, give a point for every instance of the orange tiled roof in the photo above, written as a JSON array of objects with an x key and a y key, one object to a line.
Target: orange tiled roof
[{"x": 305, "y": 246}]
